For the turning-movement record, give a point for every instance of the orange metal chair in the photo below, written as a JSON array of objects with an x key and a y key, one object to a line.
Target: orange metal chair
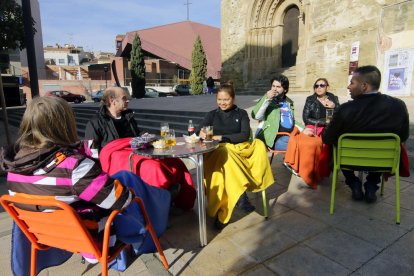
[
  {"x": 274, "y": 152},
  {"x": 62, "y": 228}
]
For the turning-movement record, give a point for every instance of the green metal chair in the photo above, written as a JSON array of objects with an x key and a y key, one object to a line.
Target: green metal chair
[{"x": 373, "y": 152}]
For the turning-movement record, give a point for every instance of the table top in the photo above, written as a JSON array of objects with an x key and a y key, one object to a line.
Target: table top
[{"x": 182, "y": 149}]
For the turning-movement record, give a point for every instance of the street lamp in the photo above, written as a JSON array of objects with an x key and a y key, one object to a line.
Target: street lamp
[{"x": 106, "y": 70}]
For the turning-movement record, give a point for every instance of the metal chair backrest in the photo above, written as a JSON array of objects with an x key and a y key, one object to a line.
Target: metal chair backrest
[
  {"x": 368, "y": 151},
  {"x": 61, "y": 227}
]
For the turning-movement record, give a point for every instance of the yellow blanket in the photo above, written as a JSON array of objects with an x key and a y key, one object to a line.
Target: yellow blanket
[{"x": 230, "y": 170}]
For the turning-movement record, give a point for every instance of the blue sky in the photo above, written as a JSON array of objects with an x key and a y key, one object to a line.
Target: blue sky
[{"x": 94, "y": 24}]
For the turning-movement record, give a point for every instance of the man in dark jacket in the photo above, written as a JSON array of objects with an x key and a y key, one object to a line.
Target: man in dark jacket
[
  {"x": 114, "y": 120},
  {"x": 369, "y": 112}
]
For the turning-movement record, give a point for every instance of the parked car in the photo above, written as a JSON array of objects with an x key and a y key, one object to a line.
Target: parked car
[
  {"x": 182, "y": 89},
  {"x": 153, "y": 93},
  {"x": 66, "y": 95},
  {"x": 97, "y": 96}
]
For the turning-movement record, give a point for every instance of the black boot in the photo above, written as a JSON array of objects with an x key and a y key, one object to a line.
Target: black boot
[
  {"x": 174, "y": 190},
  {"x": 370, "y": 190},
  {"x": 219, "y": 225},
  {"x": 356, "y": 188},
  {"x": 244, "y": 204}
]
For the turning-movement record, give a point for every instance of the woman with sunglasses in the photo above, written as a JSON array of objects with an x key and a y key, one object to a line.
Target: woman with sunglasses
[
  {"x": 304, "y": 148},
  {"x": 314, "y": 112}
]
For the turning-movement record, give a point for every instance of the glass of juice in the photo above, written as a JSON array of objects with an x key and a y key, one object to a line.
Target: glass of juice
[
  {"x": 329, "y": 114},
  {"x": 165, "y": 127},
  {"x": 209, "y": 133},
  {"x": 169, "y": 137}
]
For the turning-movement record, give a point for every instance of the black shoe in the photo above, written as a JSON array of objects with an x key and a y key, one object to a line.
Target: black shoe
[
  {"x": 370, "y": 190},
  {"x": 370, "y": 196},
  {"x": 244, "y": 204},
  {"x": 219, "y": 225},
  {"x": 174, "y": 190},
  {"x": 357, "y": 193}
]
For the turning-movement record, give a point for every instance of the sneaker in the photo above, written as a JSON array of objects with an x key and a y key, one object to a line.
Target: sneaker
[
  {"x": 219, "y": 225},
  {"x": 244, "y": 204}
]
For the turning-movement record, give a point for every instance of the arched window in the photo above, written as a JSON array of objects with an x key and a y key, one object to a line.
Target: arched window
[{"x": 290, "y": 37}]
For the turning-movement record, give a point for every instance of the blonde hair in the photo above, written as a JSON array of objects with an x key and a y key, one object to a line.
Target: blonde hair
[{"x": 47, "y": 121}]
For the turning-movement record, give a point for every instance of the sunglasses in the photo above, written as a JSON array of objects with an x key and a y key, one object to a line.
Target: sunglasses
[{"x": 319, "y": 85}]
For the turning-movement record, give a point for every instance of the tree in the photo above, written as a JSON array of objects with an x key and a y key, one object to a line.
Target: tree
[
  {"x": 11, "y": 26},
  {"x": 137, "y": 69},
  {"x": 12, "y": 36},
  {"x": 198, "y": 67}
]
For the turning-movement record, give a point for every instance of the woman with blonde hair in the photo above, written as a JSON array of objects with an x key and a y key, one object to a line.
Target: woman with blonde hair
[
  {"x": 49, "y": 161},
  {"x": 237, "y": 165}
]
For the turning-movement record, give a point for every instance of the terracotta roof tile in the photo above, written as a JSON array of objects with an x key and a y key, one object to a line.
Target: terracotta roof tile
[{"x": 174, "y": 42}]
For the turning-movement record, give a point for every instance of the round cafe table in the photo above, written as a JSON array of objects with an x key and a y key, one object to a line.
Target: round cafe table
[{"x": 193, "y": 152}]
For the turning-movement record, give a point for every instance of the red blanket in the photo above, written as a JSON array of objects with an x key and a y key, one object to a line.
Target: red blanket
[{"x": 160, "y": 173}]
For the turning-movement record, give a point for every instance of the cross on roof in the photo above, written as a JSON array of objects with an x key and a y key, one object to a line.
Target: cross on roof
[{"x": 188, "y": 9}]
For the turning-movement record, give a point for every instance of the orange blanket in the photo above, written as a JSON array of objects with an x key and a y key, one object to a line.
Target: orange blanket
[{"x": 302, "y": 155}]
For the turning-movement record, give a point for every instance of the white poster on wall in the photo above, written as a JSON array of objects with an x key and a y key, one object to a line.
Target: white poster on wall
[{"x": 398, "y": 72}]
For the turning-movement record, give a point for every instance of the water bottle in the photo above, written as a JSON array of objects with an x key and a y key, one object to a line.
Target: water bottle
[{"x": 191, "y": 129}]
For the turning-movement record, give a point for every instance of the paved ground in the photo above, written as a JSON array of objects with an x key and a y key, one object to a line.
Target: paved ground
[{"x": 300, "y": 237}]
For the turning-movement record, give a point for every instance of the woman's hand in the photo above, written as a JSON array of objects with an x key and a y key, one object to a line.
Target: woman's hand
[
  {"x": 309, "y": 132},
  {"x": 202, "y": 134},
  {"x": 217, "y": 137},
  {"x": 328, "y": 103}
]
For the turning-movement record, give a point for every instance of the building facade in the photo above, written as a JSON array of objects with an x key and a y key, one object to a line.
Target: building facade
[
  {"x": 14, "y": 64},
  {"x": 307, "y": 39},
  {"x": 68, "y": 55},
  {"x": 167, "y": 52}
]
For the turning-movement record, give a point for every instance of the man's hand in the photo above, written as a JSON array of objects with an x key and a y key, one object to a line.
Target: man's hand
[{"x": 271, "y": 94}]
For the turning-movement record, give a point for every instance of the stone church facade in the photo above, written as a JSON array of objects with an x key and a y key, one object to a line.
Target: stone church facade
[{"x": 307, "y": 39}]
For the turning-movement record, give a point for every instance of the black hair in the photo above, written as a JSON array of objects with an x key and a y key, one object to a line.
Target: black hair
[
  {"x": 369, "y": 74},
  {"x": 284, "y": 81}
]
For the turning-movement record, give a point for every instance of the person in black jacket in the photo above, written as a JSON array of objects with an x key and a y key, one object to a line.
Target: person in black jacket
[
  {"x": 369, "y": 112},
  {"x": 236, "y": 165},
  {"x": 314, "y": 111},
  {"x": 114, "y": 119}
]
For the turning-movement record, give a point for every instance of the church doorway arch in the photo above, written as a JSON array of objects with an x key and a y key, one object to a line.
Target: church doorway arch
[{"x": 290, "y": 37}]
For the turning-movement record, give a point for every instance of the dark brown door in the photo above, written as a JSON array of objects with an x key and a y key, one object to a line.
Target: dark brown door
[{"x": 290, "y": 37}]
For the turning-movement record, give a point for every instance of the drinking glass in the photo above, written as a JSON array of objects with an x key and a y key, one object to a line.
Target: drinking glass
[
  {"x": 209, "y": 133},
  {"x": 329, "y": 114},
  {"x": 165, "y": 127},
  {"x": 170, "y": 138}
]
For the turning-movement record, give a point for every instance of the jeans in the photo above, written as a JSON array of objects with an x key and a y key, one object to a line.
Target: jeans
[{"x": 281, "y": 142}]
